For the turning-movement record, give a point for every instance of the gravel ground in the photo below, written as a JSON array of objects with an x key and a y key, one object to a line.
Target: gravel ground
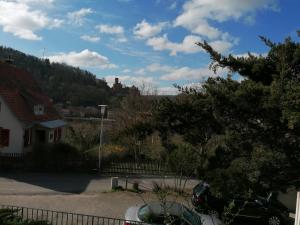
[
  {"x": 104, "y": 204},
  {"x": 81, "y": 193}
]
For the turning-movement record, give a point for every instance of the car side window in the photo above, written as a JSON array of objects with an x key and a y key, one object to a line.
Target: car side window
[
  {"x": 173, "y": 220},
  {"x": 158, "y": 219}
]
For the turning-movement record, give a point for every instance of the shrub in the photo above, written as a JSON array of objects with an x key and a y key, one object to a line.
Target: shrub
[
  {"x": 156, "y": 187},
  {"x": 8, "y": 217},
  {"x": 135, "y": 186},
  {"x": 56, "y": 157}
]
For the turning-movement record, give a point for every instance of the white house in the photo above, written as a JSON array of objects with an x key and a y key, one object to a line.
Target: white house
[{"x": 27, "y": 116}]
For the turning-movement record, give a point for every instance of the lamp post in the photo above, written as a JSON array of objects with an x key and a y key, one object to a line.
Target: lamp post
[
  {"x": 297, "y": 216},
  {"x": 102, "y": 111}
]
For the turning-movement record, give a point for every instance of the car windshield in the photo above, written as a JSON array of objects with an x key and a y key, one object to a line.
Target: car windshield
[
  {"x": 145, "y": 214},
  {"x": 191, "y": 217},
  {"x": 200, "y": 189}
]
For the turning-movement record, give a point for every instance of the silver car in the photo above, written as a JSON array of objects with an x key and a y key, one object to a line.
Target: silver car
[{"x": 171, "y": 213}]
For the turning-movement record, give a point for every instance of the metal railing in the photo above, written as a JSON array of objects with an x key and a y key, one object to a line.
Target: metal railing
[
  {"x": 12, "y": 155},
  {"x": 148, "y": 168},
  {"x": 64, "y": 218}
]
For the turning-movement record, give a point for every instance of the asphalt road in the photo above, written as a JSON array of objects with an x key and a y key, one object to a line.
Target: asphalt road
[{"x": 78, "y": 193}]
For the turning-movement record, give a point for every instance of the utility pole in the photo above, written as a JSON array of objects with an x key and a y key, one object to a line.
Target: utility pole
[
  {"x": 297, "y": 216},
  {"x": 102, "y": 111},
  {"x": 44, "y": 50}
]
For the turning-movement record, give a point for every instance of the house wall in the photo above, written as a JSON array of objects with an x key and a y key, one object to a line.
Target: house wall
[
  {"x": 9, "y": 121},
  {"x": 48, "y": 133}
]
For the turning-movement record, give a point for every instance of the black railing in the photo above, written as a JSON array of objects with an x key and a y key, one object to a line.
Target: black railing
[
  {"x": 65, "y": 218},
  {"x": 141, "y": 168},
  {"x": 14, "y": 161},
  {"x": 12, "y": 155}
]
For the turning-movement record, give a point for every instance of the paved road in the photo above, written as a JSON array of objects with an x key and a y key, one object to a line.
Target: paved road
[
  {"x": 81, "y": 193},
  {"x": 37, "y": 183}
]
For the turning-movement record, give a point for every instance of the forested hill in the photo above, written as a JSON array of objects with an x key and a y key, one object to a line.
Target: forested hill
[{"x": 61, "y": 82}]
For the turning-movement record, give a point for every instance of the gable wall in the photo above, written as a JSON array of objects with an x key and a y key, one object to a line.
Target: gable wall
[{"x": 9, "y": 121}]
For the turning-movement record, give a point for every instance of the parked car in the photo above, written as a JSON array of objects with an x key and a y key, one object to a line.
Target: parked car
[
  {"x": 177, "y": 214},
  {"x": 258, "y": 210}
]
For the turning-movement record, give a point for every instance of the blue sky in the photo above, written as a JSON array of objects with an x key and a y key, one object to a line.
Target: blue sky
[{"x": 144, "y": 42}]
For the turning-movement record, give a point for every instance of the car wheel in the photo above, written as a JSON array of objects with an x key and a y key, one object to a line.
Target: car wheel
[
  {"x": 274, "y": 220},
  {"x": 213, "y": 212}
]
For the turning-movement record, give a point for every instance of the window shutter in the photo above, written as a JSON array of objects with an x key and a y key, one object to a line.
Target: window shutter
[
  {"x": 55, "y": 134},
  {"x": 59, "y": 134},
  {"x": 4, "y": 137},
  {"x": 1, "y": 145},
  {"x": 27, "y": 137}
]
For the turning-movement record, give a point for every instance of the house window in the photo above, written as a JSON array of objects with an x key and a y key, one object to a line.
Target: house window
[
  {"x": 38, "y": 110},
  {"x": 4, "y": 137}
]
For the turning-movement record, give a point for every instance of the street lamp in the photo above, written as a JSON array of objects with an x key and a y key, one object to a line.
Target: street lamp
[{"x": 102, "y": 111}]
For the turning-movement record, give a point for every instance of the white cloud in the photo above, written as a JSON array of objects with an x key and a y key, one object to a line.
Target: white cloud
[
  {"x": 118, "y": 31},
  {"x": 163, "y": 43},
  {"x": 78, "y": 17},
  {"x": 186, "y": 73},
  {"x": 84, "y": 59},
  {"x": 140, "y": 71},
  {"x": 188, "y": 45},
  {"x": 156, "y": 67},
  {"x": 173, "y": 5},
  {"x": 197, "y": 14},
  {"x": 38, "y": 2},
  {"x": 121, "y": 39},
  {"x": 221, "y": 46},
  {"x": 104, "y": 28},
  {"x": 23, "y": 22},
  {"x": 170, "y": 73},
  {"x": 167, "y": 91},
  {"x": 126, "y": 71},
  {"x": 89, "y": 38},
  {"x": 144, "y": 30},
  {"x": 124, "y": 1}
]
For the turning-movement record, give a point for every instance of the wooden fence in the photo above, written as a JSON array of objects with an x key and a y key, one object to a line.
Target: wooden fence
[{"x": 12, "y": 161}]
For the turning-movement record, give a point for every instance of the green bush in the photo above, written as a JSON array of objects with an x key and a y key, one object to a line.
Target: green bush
[
  {"x": 57, "y": 157},
  {"x": 135, "y": 186},
  {"x": 8, "y": 217}
]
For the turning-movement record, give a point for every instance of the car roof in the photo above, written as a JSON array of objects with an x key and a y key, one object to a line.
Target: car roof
[{"x": 172, "y": 208}]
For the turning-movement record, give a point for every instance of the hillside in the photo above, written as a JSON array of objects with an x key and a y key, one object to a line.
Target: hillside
[{"x": 61, "y": 82}]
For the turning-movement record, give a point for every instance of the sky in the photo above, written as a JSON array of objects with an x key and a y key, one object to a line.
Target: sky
[{"x": 147, "y": 43}]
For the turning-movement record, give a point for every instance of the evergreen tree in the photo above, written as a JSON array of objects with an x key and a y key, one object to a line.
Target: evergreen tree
[{"x": 246, "y": 133}]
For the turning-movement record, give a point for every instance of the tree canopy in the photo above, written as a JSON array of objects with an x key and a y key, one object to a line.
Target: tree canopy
[
  {"x": 64, "y": 83},
  {"x": 246, "y": 133}
]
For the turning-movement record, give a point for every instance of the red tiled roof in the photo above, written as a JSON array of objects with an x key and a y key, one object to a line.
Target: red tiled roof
[{"x": 21, "y": 92}]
